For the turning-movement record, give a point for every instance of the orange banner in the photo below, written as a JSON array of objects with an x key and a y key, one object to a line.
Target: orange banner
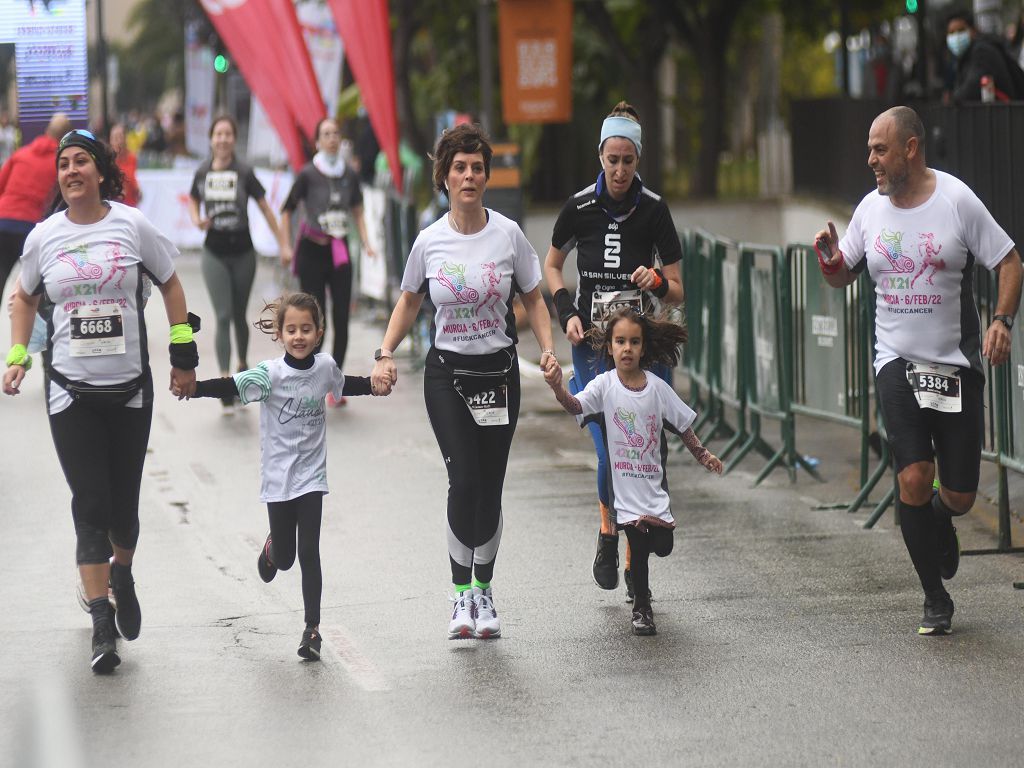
[{"x": 536, "y": 60}]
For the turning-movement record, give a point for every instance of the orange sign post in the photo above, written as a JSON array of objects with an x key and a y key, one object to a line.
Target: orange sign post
[{"x": 536, "y": 60}]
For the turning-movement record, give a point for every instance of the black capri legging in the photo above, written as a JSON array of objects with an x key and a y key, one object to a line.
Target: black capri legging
[
  {"x": 299, "y": 520},
  {"x": 102, "y": 451},
  {"x": 476, "y": 459}
]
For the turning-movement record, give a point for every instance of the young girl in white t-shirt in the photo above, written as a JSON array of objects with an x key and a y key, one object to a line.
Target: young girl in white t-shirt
[
  {"x": 291, "y": 391},
  {"x": 633, "y": 411}
]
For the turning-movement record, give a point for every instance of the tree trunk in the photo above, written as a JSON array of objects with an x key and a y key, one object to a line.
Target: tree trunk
[
  {"x": 402, "y": 40},
  {"x": 705, "y": 182}
]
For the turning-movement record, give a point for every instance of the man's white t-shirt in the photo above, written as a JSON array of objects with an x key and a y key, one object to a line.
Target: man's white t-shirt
[
  {"x": 293, "y": 424},
  {"x": 471, "y": 280},
  {"x": 921, "y": 261},
  {"x": 633, "y": 425},
  {"x": 89, "y": 271}
]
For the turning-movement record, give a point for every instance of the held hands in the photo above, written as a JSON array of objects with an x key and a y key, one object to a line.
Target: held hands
[
  {"x": 996, "y": 346},
  {"x": 183, "y": 383},
  {"x": 552, "y": 371},
  {"x": 384, "y": 377}
]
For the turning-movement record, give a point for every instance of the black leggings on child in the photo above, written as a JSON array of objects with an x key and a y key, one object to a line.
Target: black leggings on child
[
  {"x": 656, "y": 540},
  {"x": 301, "y": 515}
]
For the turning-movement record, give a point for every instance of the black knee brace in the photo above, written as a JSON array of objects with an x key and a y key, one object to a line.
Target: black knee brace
[{"x": 93, "y": 545}]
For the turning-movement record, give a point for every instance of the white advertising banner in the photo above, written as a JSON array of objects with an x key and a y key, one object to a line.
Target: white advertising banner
[
  {"x": 165, "y": 194},
  {"x": 373, "y": 276},
  {"x": 325, "y": 48}
]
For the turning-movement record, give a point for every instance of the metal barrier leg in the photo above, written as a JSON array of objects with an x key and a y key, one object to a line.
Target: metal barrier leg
[
  {"x": 869, "y": 486},
  {"x": 880, "y": 509}
]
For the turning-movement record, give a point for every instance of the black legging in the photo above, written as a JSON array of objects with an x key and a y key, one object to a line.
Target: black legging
[
  {"x": 102, "y": 452},
  {"x": 657, "y": 540},
  {"x": 299, "y": 516},
  {"x": 316, "y": 271},
  {"x": 476, "y": 459}
]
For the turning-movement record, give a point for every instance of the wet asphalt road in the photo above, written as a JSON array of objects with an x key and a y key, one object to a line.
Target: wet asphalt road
[{"x": 786, "y": 633}]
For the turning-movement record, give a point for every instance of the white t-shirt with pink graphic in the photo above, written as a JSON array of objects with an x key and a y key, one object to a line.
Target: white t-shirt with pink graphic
[
  {"x": 633, "y": 425},
  {"x": 471, "y": 280},
  {"x": 93, "y": 274},
  {"x": 921, "y": 261}
]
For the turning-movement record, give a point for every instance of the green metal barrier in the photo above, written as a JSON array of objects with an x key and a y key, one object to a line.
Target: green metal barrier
[
  {"x": 725, "y": 354},
  {"x": 830, "y": 342},
  {"x": 765, "y": 295}
]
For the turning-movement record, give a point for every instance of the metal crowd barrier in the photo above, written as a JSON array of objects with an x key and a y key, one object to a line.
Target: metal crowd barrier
[{"x": 770, "y": 339}]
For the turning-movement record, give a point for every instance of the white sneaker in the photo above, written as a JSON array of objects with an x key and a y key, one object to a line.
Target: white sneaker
[
  {"x": 462, "y": 624},
  {"x": 487, "y": 624}
]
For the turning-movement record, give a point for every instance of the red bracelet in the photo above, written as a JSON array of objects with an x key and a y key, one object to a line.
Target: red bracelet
[
  {"x": 657, "y": 281},
  {"x": 826, "y": 268}
]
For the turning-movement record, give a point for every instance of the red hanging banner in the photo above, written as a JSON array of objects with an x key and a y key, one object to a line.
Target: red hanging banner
[
  {"x": 363, "y": 25},
  {"x": 265, "y": 41},
  {"x": 536, "y": 60}
]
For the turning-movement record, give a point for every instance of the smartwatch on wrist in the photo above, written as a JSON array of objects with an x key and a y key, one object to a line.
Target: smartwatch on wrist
[
  {"x": 1006, "y": 320},
  {"x": 382, "y": 353}
]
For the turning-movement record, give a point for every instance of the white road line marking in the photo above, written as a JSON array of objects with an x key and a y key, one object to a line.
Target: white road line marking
[{"x": 359, "y": 668}]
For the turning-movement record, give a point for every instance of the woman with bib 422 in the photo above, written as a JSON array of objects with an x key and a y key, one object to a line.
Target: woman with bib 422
[{"x": 472, "y": 262}]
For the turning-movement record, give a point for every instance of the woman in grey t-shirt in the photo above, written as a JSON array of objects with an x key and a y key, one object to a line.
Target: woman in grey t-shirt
[{"x": 221, "y": 188}]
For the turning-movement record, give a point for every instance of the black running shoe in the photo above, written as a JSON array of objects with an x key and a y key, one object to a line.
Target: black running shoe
[
  {"x": 950, "y": 555},
  {"x": 104, "y": 648},
  {"x": 938, "y": 614},
  {"x": 606, "y": 563},
  {"x": 643, "y": 621},
  {"x": 128, "y": 614},
  {"x": 264, "y": 564},
  {"x": 309, "y": 647}
]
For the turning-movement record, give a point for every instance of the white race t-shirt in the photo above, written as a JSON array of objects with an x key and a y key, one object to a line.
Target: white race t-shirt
[
  {"x": 93, "y": 274},
  {"x": 921, "y": 261},
  {"x": 293, "y": 426},
  {"x": 633, "y": 425},
  {"x": 471, "y": 279}
]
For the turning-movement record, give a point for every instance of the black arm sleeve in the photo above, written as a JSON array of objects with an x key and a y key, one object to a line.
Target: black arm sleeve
[
  {"x": 357, "y": 385},
  {"x": 221, "y": 388}
]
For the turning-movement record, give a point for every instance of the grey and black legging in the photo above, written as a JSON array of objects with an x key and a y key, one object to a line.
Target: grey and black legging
[
  {"x": 642, "y": 543},
  {"x": 299, "y": 519},
  {"x": 476, "y": 459}
]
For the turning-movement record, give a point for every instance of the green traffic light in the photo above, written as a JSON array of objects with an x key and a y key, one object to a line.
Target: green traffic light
[
  {"x": 911, "y": 6},
  {"x": 220, "y": 62}
]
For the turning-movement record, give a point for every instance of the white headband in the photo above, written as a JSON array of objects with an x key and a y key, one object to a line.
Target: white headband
[{"x": 622, "y": 127}]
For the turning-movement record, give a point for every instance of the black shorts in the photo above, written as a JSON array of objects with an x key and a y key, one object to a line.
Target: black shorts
[{"x": 916, "y": 434}]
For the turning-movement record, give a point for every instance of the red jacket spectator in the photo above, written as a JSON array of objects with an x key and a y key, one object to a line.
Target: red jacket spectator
[{"x": 28, "y": 180}]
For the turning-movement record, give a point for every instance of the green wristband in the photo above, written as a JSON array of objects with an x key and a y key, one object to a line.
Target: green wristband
[
  {"x": 181, "y": 333},
  {"x": 19, "y": 356}
]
